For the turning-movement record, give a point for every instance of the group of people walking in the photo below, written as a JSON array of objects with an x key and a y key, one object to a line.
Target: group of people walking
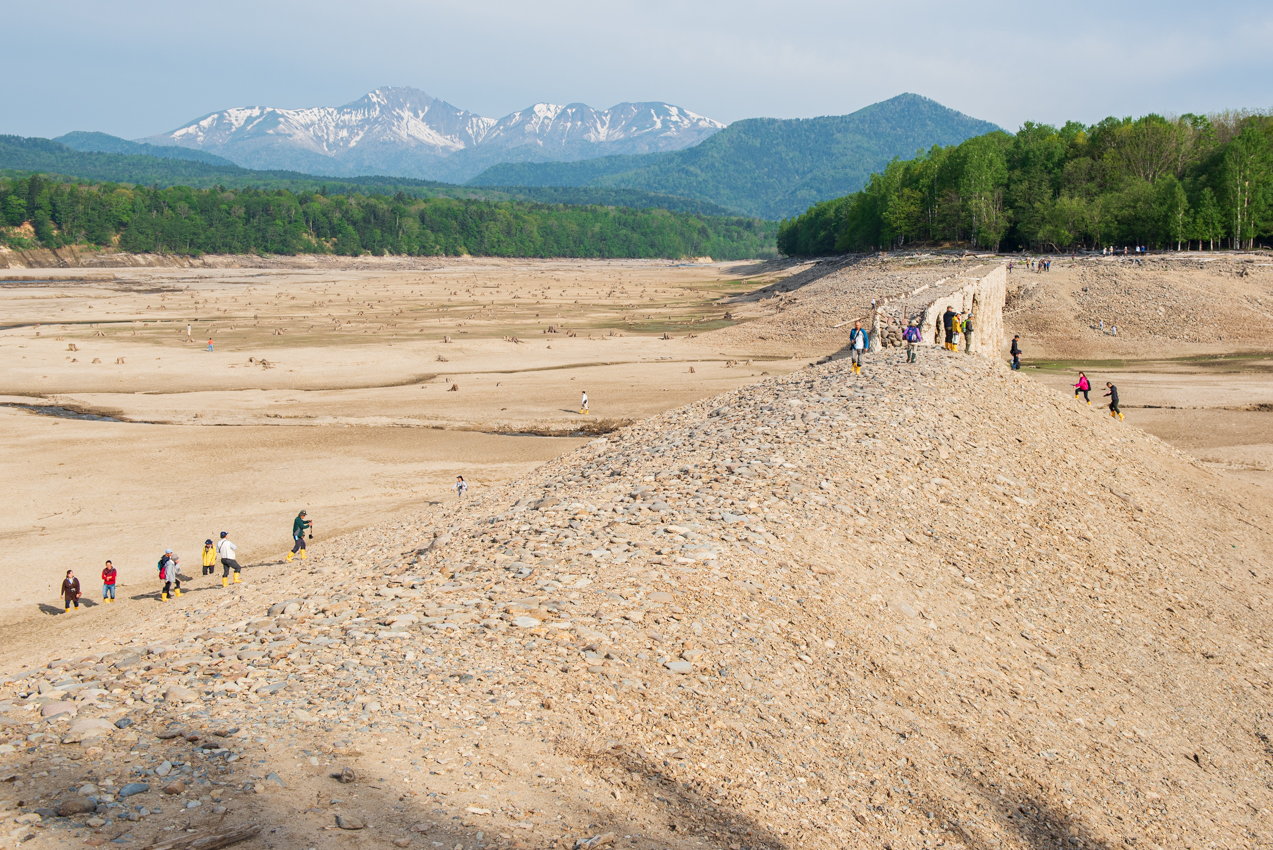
[{"x": 224, "y": 551}]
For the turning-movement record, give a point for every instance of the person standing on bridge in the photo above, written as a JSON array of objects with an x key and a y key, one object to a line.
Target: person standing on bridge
[
  {"x": 968, "y": 334},
  {"x": 859, "y": 341},
  {"x": 948, "y": 325}
]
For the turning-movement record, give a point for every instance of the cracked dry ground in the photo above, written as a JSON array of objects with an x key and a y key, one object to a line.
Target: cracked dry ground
[{"x": 930, "y": 606}]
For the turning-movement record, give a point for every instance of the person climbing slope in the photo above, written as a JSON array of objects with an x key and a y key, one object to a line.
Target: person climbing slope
[
  {"x": 1083, "y": 386},
  {"x": 1112, "y": 395},
  {"x": 299, "y": 526}
]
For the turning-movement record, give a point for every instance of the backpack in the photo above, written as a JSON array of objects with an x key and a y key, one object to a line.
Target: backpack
[{"x": 911, "y": 334}]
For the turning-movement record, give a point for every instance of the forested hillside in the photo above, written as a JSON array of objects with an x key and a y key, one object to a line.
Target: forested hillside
[
  {"x": 768, "y": 167},
  {"x": 182, "y": 220},
  {"x": 1152, "y": 181},
  {"x": 170, "y": 166},
  {"x": 87, "y": 142}
]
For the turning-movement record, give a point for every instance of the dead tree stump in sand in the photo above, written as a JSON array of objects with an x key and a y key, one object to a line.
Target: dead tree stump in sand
[{"x": 454, "y": 388}]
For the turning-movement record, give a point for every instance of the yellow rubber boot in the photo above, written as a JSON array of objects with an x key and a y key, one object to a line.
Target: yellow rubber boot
[
  {"x": 176, "y": 592},
  {"x": 225, "y": 581},
  {"x": 289, "y": 555},
  {"x": 237, "y": 580},
  {"x": 304, "y": 556},
  {"x": 163, "y": 597}
]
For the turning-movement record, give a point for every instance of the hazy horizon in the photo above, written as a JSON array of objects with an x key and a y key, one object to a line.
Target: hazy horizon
[{"x": 134, "y": 69}]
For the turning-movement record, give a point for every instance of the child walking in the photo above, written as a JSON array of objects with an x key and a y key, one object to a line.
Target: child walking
[
  {"x": 108, "y": 583},
  {"x": 209, "y": 557}
]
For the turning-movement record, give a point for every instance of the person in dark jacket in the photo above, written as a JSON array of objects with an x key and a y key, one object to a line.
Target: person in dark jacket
[
  {"x": 1112, "y": 394},
  {"x": 1015, "y": 351},
  {"x": 948, "y": 325},
  {"x": 299, "y": 526},
  {"x": 71, "y": 591}
]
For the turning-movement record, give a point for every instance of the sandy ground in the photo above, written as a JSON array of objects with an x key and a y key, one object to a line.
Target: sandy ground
[
  {"x": 1192, "y": 357},
  {"x": 338, "y": 383}
]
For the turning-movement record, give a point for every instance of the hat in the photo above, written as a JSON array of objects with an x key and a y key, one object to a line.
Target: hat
[
  {"x": 208, "y": 542},
  {"x": 167, "y": 551},
  {"x": 225, "y": 534},
  {"x": 303, "y": 513}
]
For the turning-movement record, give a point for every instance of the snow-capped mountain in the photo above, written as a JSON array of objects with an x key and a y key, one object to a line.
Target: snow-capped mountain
[{"x": 405, "y": 132}]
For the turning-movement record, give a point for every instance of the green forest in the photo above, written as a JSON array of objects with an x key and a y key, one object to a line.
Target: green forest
[
  {"x": 765, "y": 167},
  {"x": 39, "y": 212},
  {"x": 21, "y": 156},
  {"x": 1162, "y": 183}
]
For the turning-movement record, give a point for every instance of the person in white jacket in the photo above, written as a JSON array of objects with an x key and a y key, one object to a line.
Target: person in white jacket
[
  {"x": 170, "y": 576},
  {"x": 226, "y": 552}
]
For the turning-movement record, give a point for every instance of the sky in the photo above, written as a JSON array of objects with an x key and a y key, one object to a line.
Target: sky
[{"x": 137, "y": 68}]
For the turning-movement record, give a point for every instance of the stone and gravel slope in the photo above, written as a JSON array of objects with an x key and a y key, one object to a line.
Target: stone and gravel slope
[{"x": 928, "y": 606}]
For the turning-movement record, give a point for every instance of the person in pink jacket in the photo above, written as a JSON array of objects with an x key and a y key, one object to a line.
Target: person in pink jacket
[{"x": 1083, "y": 386}]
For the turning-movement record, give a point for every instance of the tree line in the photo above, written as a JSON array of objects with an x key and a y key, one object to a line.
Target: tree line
[
  {"x": 1152, "y": 181},
  {"x": 38, "y": 212}
]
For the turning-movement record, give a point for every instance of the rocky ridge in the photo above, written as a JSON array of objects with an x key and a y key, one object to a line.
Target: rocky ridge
[{"x": 927, "y": 606}]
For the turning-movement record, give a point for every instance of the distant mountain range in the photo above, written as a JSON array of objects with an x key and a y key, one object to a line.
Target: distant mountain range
[
  {"x": 766, "y": 167},
  {"x": 643, "y": 154},
  {"x": 403, "y": 132},
  {"x": 181, "y": 167}
]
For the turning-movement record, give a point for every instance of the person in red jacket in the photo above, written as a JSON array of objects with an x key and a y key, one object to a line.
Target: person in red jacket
[
  {"x": 71, "y": 591},
  {"x": 108, "y": 583}
]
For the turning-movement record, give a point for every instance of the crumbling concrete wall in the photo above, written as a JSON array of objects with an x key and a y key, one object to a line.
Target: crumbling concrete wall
[{"x": 983, "y": 296}]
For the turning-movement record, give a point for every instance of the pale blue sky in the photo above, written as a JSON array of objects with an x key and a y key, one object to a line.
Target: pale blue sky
[{"x": 136, "y": 68}]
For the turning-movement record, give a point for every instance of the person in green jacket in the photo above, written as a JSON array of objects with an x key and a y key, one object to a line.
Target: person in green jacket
[{"x": 299, "y": 526}]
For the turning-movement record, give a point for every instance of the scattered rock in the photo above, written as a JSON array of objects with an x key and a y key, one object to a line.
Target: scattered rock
[{"x": 349, "y": 822}]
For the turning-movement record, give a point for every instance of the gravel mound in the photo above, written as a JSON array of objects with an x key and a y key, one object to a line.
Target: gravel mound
[{"x": 928, "y": 606}]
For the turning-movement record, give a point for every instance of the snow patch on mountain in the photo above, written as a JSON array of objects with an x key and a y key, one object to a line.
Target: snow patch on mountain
[{"x": 406, "y": 132}]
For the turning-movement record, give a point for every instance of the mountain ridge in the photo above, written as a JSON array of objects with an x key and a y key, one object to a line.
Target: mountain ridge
[
  {"x": 769, "y": 167},
  {"x": 405, "y": 132}
]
